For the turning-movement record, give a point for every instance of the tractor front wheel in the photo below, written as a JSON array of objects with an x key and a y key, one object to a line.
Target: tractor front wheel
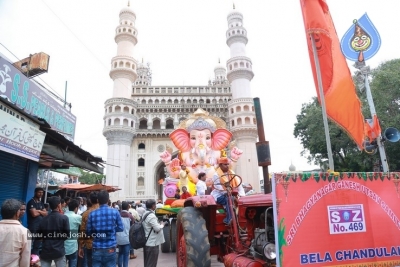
[{"x": 193, "y": 246}]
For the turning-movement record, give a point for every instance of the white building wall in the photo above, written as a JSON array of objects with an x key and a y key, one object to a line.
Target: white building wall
[
  {"x": 149, "y": 169},
  {"x": 126, "y": 156},
  {"x": 125, "y": 48},
  {"x": 122, "y": 88},
  {"x": 240, "y": 88},
  {"x": 238, "y": 49},
  {"x": 118, "y": 155},
  {"x": 152, "y": 161},
  {"x": 247, "y": 166},
  {"x": 240, "y": 75}
]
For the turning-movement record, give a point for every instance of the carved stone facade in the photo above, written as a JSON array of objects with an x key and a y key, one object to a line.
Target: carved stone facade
[
  {"x": 160, "y": 109},
  {"x": 139, "y": 117}
]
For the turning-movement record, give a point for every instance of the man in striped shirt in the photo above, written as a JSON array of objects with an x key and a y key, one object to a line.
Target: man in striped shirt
[{"x": 86, "y": 242}]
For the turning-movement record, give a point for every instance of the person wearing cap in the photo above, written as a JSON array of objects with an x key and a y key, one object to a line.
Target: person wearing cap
[{"x": 222, "y": 176}]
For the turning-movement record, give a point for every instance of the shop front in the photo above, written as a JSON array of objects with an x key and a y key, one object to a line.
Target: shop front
[{"x": 36, "y": 132}]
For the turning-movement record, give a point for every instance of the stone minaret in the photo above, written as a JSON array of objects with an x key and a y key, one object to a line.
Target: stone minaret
[
  {"x": 144, "y": 75},
  {"x": 220, "y": 75},
  {"x": 241, "y": 107},
  {"x": 120, "y": 111}
]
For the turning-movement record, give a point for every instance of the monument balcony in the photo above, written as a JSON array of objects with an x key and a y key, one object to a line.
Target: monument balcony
[{"x": 118, "y": 128}]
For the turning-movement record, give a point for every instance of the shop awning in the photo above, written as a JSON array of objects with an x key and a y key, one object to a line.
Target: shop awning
[
  {"x": 58, "y": 152},
  {"x": 90, "y": 187},
  {"x": 70, "y": 157},
  {"x": 73, "y": 171}
]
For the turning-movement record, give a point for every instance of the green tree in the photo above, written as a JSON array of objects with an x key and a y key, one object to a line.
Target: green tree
[
  {"x": 309, "y": 129},
  {"x": 385, "y": 87},
  {"x": 91, "y": 177}
]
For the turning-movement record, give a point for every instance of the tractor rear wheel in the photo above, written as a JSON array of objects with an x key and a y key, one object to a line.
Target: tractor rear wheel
[
  {"x": 165, "y": 247},
  {"x": 193, "y": 246},
  {"x": 173, "y": 235}
]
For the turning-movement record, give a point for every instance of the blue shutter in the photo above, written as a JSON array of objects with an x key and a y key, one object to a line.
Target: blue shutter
[{"x": 13, "y": 176}]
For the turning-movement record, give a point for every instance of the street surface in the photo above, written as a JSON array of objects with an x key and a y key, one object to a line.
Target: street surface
[{"x": 165, "y": 260}]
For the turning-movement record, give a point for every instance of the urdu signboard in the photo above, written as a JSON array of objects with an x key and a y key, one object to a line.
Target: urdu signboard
[
  {"x": 26, "y": 95},
  {"x": 19, "y": 138}
]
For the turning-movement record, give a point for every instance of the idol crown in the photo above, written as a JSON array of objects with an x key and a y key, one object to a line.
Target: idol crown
[{"x": 201, "y": 124}]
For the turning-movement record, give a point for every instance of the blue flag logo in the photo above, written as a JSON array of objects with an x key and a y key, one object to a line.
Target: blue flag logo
[{"x": 361, "y": 41}]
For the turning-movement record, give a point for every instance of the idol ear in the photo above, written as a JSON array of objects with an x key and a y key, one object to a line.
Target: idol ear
[
  {"x": 181, "y": 140},
  {"x": 220, "y": 139}
]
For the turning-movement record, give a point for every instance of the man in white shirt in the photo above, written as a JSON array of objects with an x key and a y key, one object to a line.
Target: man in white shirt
[
  {"x": 84, "y": 205},
  {"x": 15, "y": 248},
  {"x": 140, "y": 210},
  {"x": 118, "y": 205},
  {"x": 80, "y": 208},
  {"x": 156, "y": 237},
  {"x": 201, "y": 186},
  {"x": 221, "y": 176},
  {"x": 134, "y": 213}
]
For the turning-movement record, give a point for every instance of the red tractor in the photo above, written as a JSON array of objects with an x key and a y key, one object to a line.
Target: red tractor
[{"x": 249, "y": 240}]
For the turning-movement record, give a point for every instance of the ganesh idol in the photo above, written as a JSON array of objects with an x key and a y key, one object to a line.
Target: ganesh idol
[{"x": 201, "y": 140}]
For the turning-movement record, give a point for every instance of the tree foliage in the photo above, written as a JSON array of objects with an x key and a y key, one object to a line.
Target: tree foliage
[
  {"x": 385, "y": 87},
  {"x": 309, "y": 129},
  {"x": 91, "y": 177}
]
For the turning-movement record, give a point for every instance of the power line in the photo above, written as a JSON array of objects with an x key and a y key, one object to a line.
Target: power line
[
  {"x": 9, "y": 51},
  {"x": 54, "y": 93},
  {"x": 80, "y": 41},
  {"x": 76, "y": 37}
]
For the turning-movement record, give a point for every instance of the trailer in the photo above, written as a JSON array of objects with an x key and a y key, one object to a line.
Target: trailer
[{"x": 168, "y": 215}]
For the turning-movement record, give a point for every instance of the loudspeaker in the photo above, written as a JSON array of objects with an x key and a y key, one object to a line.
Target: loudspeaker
[{"x": 392, "y": 134}]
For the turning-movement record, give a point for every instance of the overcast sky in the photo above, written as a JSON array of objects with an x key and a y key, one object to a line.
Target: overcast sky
[{"x": 183, "y": 40}]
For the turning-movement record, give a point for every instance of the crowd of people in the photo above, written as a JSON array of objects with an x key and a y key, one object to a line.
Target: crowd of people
[
  {"x": 76, "y": 231},
  {"x": 93, "y": 231}
]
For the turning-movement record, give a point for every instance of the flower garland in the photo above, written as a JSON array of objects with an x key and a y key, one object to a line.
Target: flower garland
[{"x": 329, "y": 176}]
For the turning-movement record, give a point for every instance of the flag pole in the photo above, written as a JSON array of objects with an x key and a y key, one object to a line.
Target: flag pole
[
  {"x": 322, "y": 98},
  {"x": 365, "y": 71}
]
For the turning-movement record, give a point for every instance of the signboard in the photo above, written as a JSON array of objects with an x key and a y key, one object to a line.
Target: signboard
[
  {"x": 26, "y": 95},
  {"x": 7, "y": 109},
  {"x": 361, "y": 41},
  {"x": 337, "y": 219},
  {"x": 19, "y": 138}
]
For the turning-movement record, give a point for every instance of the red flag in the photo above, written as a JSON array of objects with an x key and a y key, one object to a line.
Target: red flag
[
  {"x": 373, "y": 128},
  {"x": 341, "y": 101}
]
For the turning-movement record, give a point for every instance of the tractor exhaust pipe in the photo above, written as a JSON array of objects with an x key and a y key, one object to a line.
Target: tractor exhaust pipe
[{"x": 262, "y": 147}]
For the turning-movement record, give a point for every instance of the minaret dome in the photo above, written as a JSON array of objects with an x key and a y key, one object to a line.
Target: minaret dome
[
  {"x": 292, "y": 168},
  {"x": 127, "y": 13},
  {"x": 220, "y": 71}
]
